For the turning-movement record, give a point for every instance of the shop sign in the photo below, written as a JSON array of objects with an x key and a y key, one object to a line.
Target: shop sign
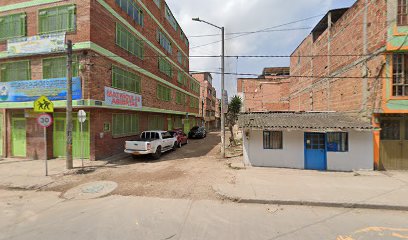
[
  {"x": 117, "y": 97},
  {"x": 40, "y": 44},
  {"x": 31, "y": 90}
]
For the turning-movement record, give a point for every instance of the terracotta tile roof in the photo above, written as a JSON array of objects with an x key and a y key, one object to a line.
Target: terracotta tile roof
[{"x": 321, "y": 121}]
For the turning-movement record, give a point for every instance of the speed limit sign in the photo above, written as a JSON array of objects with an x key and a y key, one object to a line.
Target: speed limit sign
[{"x": 44, "y": 120}]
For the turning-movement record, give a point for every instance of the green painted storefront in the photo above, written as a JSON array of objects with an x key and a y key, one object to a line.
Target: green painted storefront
[
  {"x": 18, "y": 136},
  {"x": 59, "y": 136}
]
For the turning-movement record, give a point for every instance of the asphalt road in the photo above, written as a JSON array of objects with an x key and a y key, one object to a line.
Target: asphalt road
[{"x": 43, "y": 215}]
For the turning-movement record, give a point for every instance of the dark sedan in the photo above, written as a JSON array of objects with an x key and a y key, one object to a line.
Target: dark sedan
[{"x": 197, "y": 132}]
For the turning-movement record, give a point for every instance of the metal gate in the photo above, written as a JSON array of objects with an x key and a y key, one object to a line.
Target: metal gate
[
  {"x": 18, "y": 137},
  {"x": 394, "y": 144}
]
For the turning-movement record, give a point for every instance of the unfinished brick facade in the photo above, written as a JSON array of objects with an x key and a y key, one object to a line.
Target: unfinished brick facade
[
  {"x": 346, "y": 43},
  {"x": 267, "y": 92},
  {"x": 96, "y": 53}
]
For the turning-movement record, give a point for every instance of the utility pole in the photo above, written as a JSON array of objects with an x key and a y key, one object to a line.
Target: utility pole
[
  {"x": 223, "y": 95},
  {"x": 222, "y": 83},
  {"x": 69, "y": 161}
]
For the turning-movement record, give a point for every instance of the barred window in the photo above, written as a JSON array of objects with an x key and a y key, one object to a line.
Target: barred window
[
  {"x": 399, "y": 76},
  {"x": 272, "y": 140},
  {"x": 390, "y": 130},
  {"x": 402, "y": 14}
]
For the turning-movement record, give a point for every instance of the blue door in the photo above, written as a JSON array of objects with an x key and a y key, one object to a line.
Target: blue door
[{"x": 315, "y": 151}]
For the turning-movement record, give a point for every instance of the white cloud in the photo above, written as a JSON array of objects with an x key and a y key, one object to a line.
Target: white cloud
[{"x": 243, "y": 16}]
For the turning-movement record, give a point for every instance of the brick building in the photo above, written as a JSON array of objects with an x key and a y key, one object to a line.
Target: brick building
[
  {"x": 208, "y": 99},
  {"x": 130, "y": 74},
  {"x": 267, "y": 92},
  {"x": 359, "y": 67}
]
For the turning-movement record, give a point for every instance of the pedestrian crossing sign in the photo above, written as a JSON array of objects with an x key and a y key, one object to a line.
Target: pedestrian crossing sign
[{"x": 44, "y": 105}]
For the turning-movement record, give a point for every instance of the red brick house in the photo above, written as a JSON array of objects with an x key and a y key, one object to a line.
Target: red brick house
[{"x": 121, "y": 48}]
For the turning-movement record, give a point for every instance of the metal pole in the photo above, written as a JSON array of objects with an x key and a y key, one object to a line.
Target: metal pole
[
  {"x": 222, "y": 96},
  {"x": 69, "y": 160},
  {"x": 82, "y": 144},
  {"x": 46, "y": 152}
]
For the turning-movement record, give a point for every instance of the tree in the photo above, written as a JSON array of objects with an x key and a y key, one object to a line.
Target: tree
[{"x": 234, "y": 107}]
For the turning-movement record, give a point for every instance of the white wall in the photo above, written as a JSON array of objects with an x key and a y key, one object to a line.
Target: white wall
[
  {"x": 359, "y": 157},
  {"x": 291, "y": 156}
]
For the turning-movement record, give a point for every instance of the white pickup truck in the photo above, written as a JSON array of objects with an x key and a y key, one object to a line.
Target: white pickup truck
[{"x": 151, "y": 142}]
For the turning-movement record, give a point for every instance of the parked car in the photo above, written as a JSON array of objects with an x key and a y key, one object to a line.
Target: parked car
[
  {"x": 197, "y": 132},
  {"x": 153, "y": 143},
  {"x": 182, "y": 138}
]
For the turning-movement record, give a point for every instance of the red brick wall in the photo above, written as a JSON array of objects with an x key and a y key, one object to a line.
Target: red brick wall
[
  {"x": 340, "y": 94},
  {"x": 261, "y": 95},
  {"x": 83, "y": 18}
]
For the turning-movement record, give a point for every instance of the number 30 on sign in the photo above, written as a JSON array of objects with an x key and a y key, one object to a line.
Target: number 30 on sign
[{"x": 44, "y": 120}]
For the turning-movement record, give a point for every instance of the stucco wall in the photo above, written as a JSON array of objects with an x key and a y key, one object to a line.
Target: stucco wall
[
  {"x": 291, "y": 156},
  {"x": 360, "y": 154}
]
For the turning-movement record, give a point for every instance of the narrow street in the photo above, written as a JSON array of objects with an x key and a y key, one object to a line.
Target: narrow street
[
  {"x": 189, "y": 173},
  {"x": 44, "y": 215}
]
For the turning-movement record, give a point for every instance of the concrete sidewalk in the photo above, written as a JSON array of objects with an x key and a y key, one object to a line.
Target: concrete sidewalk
[
  {"x": 30, "y": 174},
  {"x": 372, "y": 190}
]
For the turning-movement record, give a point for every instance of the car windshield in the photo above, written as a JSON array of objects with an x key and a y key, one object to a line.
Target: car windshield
[{"x": 194, "y": 128}]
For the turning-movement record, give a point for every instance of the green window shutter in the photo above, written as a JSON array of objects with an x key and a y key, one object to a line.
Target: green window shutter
[
  {"x": 15, "y": 71},
  {"x": 124, "y": 80},
  {"x": 57, "y": 19},
  {"x": 12, "y": 26},
  {"x": 129, "y": 42}
]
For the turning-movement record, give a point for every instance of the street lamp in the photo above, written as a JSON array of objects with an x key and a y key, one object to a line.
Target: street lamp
[{"x": 222, "y": 84}]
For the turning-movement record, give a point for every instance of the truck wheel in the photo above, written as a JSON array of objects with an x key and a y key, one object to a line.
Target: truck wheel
[{"x": 157, "y": 154}]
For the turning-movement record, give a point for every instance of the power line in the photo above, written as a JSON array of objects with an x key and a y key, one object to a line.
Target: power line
[
  {"x": 295, "y": 76},
  {"x": 266, "y": 31},
  {"x": 261, "y": 30}
]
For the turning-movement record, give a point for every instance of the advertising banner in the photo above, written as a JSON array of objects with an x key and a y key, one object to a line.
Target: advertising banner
[
  {"x": 117, "y": 97},
  {"x": 41, "y": 44},
  {"x": 31, "y": 90}
]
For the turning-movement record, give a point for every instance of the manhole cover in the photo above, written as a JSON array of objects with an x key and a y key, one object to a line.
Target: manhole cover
[{"x": 91, "y": 190}]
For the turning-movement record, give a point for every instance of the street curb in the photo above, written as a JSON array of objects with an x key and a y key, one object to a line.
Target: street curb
[{"x": 312, "y": 203}]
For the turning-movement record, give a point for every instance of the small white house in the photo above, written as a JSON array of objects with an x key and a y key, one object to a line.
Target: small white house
[{"x": 307, "y": 140}]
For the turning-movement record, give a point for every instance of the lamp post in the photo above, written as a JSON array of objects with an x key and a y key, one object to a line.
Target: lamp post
[{"x": 222, "y": 84}]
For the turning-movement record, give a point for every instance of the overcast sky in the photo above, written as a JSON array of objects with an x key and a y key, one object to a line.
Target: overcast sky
[{"x": 247, "y": 16}]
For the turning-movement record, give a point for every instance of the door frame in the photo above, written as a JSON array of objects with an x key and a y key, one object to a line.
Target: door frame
[
  {"x": 305, "y": 149},
  {"x": 11, "y": 136}
]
